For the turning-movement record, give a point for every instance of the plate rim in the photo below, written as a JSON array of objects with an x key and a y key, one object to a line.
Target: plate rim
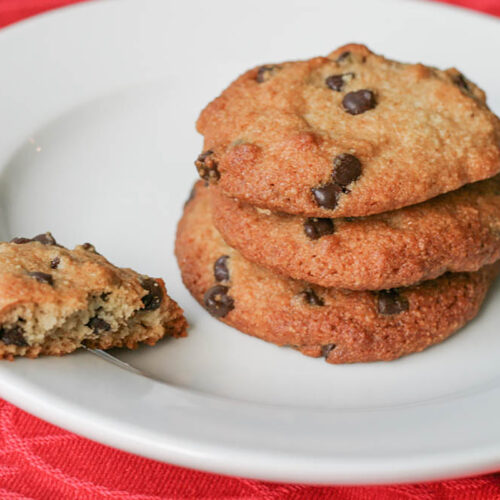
[{"x": 215, "y": 459}]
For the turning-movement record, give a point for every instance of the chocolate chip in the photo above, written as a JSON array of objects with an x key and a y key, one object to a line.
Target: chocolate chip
[
  {"x": 347, "y": 169},
  {"x": 55, "y": 262},
  {"x": 153, "y": 298},
  {"x": 337, "y": 82},
  {"x": 311, "y": 298},
  {"x": 207, "y": 166},
  {"x": 264, "y": 73},
  {"x": 344, "y": 56},
  {"x": 217, "y": 301},
  {"x": 89, "y": 247},
  {"x": 44, "y": 239},
  {"x": 327, "y": 349},
  {"x": 21, "y": 241},
  {"x": 13, "y": 336},
  {"x": 460, "y": 81},
  {"x": 98, "y": 325},
  {"x": 42, "y": 277},
  {"x": 221, "y": 272},
  {"x": 327, "y": 196},
  {"x": 315, "y": 227},
  {"x": 391, "y": 302},
  {"x": 359, "y": 101},
  {"x": 203, "y": 156}
]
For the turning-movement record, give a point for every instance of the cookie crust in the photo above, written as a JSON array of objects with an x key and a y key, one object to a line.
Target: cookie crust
[
  {"x": 457, "y": 231},
  {"x": 274, "y": 136}
]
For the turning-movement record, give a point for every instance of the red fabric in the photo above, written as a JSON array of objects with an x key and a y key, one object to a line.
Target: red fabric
[
  {"x": 488, "y": 6},
  {"x": 40, "y": 461},
  {"x": 12, "y": 11}
]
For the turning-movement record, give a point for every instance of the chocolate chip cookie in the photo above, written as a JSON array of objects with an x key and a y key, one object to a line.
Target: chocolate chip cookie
[
  {"x": 54, "y": 300},
  {"x": 457, "y": 231},
  {"x": 347, "y": 135},
  {"x": 342, "y": 326}
]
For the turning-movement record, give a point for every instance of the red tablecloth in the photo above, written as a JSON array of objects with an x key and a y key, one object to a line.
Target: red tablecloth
[{"x": 40, "y": 461}]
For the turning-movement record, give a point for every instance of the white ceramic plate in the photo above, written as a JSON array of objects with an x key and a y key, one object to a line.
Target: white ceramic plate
[{"x": 97, "y": 104}]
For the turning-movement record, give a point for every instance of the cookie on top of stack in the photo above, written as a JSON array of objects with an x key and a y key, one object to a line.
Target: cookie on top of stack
[{"x": 350, "y": 206}]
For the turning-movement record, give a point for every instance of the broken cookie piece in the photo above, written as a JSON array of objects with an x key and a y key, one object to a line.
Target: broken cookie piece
[{"x": 54, "y": 300}]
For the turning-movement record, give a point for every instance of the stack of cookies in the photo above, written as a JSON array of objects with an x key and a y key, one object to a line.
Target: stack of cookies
[{"x": 349, "y": 206}]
